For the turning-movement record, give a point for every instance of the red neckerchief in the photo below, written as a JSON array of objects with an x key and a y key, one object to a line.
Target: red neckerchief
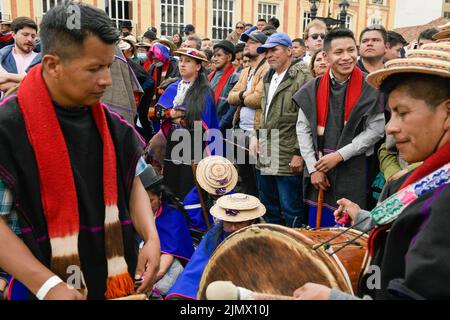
[
  {"x": 222, "y": 82},
  {"x": 352, "y": 95},
  {"x": 434, "y": 162},
  {"x": 6, "y": 38}
]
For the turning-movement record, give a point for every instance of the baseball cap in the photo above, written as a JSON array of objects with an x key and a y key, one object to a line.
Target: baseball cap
[
  {"x": 279, "y": 38},
  {"x": 255, "y": 36},
  {"x": 189, "y": 28}
]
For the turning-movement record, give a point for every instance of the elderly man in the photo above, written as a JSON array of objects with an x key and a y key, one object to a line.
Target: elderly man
[
  {"x": 410, "y": 228},
  {"x": 279, "y": 173},
  {"x": 73, "y": 180}
]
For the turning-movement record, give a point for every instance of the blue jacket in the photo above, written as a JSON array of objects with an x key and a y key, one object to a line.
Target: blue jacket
[{"x": 9, "y": 63}]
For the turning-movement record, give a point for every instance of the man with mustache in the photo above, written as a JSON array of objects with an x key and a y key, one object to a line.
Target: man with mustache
[
  {"x": 15, "y": 59},
  {"x": 340, "y": 118}
]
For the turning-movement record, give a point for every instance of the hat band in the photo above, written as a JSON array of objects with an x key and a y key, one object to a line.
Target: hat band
[
  {"x": 232, "y": 212},
  {"x": 221, "y": 191}
]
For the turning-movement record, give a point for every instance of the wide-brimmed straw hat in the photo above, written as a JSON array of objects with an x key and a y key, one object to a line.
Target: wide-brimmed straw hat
[
  {"x": 193, "y": 53},
  {"x": 238, "y": 207},
  {"x": 444, "y": 33},
  {"x": 432, "y": 58},
  {"x": 216, "y": 175}
]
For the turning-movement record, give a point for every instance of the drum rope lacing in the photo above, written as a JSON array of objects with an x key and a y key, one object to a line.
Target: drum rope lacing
[{"x": 328, "y": 242}]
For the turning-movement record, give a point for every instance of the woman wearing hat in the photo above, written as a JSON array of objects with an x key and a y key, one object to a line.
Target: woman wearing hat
[
  {"x": 172, "y": 225},
  {"x": 409, "y": 242},
  {"x": 193, "y": 103},
  {"x": 234, "y": 212}
]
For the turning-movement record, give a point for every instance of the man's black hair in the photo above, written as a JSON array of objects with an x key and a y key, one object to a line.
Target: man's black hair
[
  {"x": 427, "y": 34},
  {"x": 394, "y": 38},
  {"x": 274, "y": 22},
  {"x": 65, "y": 27},
  {"x": 269, "y": 30},
  {"x": 300, "y": 41},
  {"x": 375, "y": 27},
  {"x": 262, "y": 19},
  {"x": 336, "y": 34},
  {"x": 23, "y": 22},
  {"x": 432, "y": 89}
]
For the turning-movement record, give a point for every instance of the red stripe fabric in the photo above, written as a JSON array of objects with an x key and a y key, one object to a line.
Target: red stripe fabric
[
  {"x": 352, "y": 95},
  {"x": 222, "y": 82}
]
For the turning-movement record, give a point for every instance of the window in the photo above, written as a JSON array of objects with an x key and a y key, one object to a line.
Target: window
[
  {"x": 348, "y": 21},
  {"x": 48, "y": 4},
  {"x": 172, "y": 17},
  {"x": 267, "y": 11},
  {"x": 375, "y": 21},
  {"x": 222, "y": 18},
  {"x": 119, "y": 10},
  {"x": 446, "y": 14},
  {"x": 306, "y": 19},
  {"x": 378, "y": 1}
]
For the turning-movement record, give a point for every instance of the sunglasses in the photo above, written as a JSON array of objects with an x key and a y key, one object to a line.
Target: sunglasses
[
  {"x": 317, "y": 35},
  {"x": 239, "y": 27}
]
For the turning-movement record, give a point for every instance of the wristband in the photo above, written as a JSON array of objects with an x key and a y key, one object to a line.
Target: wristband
[{"x": 47, "y": 286}]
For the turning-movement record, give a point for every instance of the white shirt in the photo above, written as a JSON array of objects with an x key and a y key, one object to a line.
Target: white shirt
[{"x": 274, "y": 83}]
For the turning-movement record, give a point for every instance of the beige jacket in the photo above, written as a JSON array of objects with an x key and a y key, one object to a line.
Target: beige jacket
[{"x": 252, "y": 100}]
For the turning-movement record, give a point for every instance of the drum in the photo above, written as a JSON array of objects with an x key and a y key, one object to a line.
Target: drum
[{"x": 270, "y": 258}]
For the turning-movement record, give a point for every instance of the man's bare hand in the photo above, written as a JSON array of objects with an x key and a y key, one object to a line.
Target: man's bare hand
[
  {"x": 62, "y": 291},
  {"x": 312, "y": 291},
  {"x": 320, "y": 180},
  {"x": 147, "y": 266},
  {"x": 328, "y": 162},
  {"x": 296, "y": 164}
]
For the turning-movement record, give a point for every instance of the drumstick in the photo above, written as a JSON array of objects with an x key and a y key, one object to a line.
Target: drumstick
[{"x": 226, "y": 290}]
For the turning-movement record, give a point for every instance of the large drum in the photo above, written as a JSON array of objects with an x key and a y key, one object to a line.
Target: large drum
[{"x": 274, "y": 259}]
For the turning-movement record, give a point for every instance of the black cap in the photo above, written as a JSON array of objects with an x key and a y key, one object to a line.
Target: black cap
[
  {"x": 228, "y": 46},
  {"x": 126, "y": 24},
  {"x": 189, "y": 28},
  {"x": 149, "y": 178},
  {"x": 256, "y": 36},
  {"x": 150, "y": 35}
]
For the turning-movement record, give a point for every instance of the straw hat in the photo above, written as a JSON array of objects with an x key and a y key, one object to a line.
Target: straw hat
[
  {"x": 216, "y": 175},
  {"x": 124, "y": 45},
  {"x": 238, "y": 207},
  {"x": 432, "y": 58},
  {"x": 444, "y": 33},
  {"x": 193, "y": 53}
]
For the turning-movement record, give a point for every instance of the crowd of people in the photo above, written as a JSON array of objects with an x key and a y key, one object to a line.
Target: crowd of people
[{"x": 125, "y": 161}]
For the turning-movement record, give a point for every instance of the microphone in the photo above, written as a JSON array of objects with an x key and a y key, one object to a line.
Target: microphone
[{"x": 226, "y": 290}]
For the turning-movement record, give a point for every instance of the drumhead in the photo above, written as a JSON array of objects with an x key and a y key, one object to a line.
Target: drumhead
[{"x": 272, "y": 259}]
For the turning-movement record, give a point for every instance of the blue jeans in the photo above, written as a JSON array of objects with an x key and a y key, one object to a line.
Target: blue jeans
[{"x": 283, "y": 198}]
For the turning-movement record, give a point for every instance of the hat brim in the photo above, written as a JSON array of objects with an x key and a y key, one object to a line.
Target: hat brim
[
  {"x": 210, "y": 189},
  {"x": 264, "y": 47},
  {"x": 442, "y": 35},
  {"x": 181, "y": 53},
  {"x": 376, "y": 79},
  {"x": 244, "y": 215}
]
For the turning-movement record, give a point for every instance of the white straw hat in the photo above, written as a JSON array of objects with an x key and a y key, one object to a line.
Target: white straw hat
[
  {"x": 217, "y": 175},
  {"x": 238, "y": 207}
]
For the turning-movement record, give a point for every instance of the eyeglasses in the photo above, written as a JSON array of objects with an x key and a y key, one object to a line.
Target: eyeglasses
[
  {"x": 239, "y": 27},
  {"x": 317, "y": 35}
]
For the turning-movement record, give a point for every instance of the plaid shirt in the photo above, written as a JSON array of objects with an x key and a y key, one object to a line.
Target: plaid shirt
[{"x": 6, "y": 201}]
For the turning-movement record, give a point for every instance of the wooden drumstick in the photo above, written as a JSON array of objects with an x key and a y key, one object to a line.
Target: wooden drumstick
[{"x": 226, "y": 290}]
